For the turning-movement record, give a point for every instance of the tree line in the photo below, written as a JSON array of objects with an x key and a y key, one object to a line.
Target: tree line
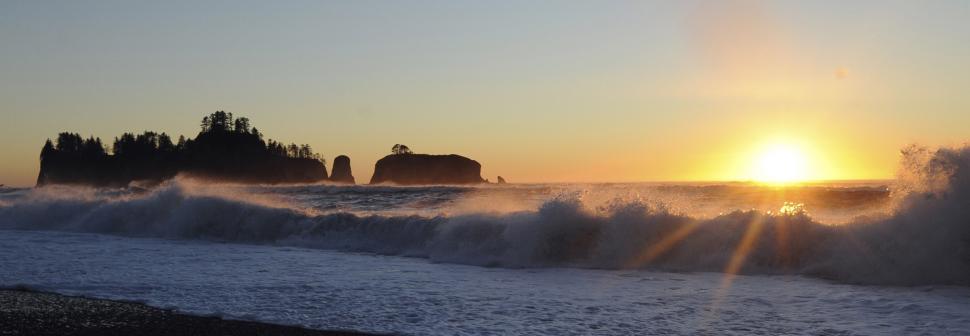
[
  {"x": 226, "y": 148},
  {"x": 153, "y": 144}
]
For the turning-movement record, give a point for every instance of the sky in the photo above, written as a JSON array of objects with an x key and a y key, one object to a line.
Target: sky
[{"x": 537, "y": 91}]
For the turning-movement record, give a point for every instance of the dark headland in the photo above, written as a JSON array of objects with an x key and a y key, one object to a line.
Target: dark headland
[{"x": 32, "y": 313}]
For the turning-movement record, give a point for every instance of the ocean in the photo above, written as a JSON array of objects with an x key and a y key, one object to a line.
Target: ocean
[{"x": 859, "y": 258}]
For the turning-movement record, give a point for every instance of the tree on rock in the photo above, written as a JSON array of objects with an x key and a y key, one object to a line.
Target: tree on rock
[
  {"x": 218, "y": 121},
  {"x": 400, "y": 149},
  {"x": 48, "y": 150}
]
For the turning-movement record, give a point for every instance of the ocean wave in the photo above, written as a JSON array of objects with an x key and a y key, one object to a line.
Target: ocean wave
[{"x": 925, "y": 240}]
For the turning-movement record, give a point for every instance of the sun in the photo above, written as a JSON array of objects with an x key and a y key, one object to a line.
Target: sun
[{"x": 780, "y": 164}]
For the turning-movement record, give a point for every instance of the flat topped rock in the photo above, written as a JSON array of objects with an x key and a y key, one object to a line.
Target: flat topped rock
[{"x": 411, "y": 169}]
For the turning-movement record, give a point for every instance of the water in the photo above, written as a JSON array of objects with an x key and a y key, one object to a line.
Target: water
[
  {"x": 334, "y": 290},
  {"x": 858, "y": 258}
]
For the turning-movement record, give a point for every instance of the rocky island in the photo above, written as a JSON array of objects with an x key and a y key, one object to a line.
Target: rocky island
[
  {"x": 341, "y": 170},
  {"x": 406, "y": 168},
  {"x": 226, "y": 149}
]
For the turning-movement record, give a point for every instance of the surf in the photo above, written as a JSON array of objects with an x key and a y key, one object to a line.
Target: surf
[{"x": 924, "y": 239}]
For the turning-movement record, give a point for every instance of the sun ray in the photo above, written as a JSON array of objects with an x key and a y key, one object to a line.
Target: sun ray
[
  {"x": 734, "y": 265},
  {"x": 650, "y": 254},
  {"x": 744, "y": 247}
]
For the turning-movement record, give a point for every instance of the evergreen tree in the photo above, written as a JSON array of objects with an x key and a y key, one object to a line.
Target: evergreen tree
[
  {"x": 93, "y": 148},
  {"x": 48, "y": 149},
  {"x": 165, "y": 143},
  {"x": 124, "y": 145},
  {"x": 241, "y": 125},
  {"x": 181, "y": 144},
  {"x": 69, "y": 142}
]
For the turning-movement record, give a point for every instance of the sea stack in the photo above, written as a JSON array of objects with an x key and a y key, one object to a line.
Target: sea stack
[
  {"x": 341, "y": 170},
  {"x": 501, "y": 180},
  {"x": 410, "y": 169}
]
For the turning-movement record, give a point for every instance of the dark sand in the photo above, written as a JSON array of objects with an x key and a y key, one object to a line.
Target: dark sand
[{"x": 32, "y": 313}]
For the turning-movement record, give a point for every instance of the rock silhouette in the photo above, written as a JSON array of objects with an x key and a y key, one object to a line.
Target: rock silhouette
[
  {"x": 501, "y": 180},
  {"x": 341, "y": 170},
  {"x": 226, "y": 149},
  {"x": 410, "y": 169}
]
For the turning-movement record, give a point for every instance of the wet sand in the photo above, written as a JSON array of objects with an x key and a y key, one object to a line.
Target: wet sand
[{"x": 25, "y": 312}]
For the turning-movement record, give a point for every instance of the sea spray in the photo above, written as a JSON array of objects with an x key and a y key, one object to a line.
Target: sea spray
[{"x": 924, "y": 240}]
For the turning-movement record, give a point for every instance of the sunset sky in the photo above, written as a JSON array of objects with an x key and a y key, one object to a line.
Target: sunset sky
[{"x": 537, "y": 91}]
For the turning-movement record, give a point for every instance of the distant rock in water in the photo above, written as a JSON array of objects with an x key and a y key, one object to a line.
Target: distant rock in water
[
  {"x": 341, "y": 170},
  {"x": 427, "y": 169},
  {"x": 501, "y": 180},
  {"x": 226, "y": 149}
]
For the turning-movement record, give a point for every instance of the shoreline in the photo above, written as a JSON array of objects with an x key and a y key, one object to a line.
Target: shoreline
[{"x": 28, "y": 312}]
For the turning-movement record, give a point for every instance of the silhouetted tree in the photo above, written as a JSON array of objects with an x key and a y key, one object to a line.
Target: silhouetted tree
[
  {"x": 400, "y": 149},
  {"x": 165, "y": 143},
  {"x": 305, "y": 151},
  {"x": 276, "y": 148},
  {"x": 241, "y": 125},
  {"x": 69, "y": 142},
  {"x": 48, "y": 150},
  {"x": 181, "y": 144},
  {"x": 93, "y": 148},
  {"x": 218, "y": 121},
  {"x": 124, "y": 144},
  {"x": 146, "y": 143}
]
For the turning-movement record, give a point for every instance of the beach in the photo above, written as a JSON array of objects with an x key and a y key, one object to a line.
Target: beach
[{"x": 25, "y": 312}]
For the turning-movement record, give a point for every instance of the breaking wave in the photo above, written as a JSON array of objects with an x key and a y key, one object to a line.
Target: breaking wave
[{"x": 924, "y": 240}]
